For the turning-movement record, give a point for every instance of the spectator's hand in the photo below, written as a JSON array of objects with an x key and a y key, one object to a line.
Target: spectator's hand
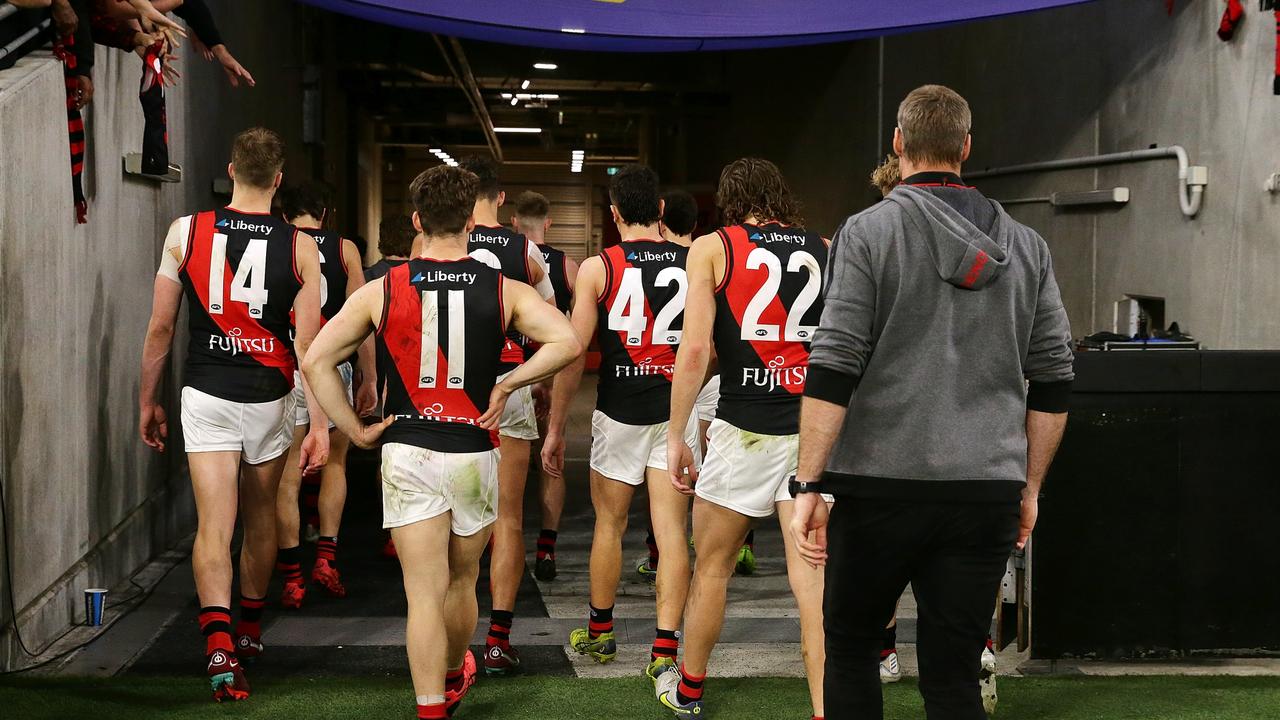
[
  {"x": 200, "y": 48},
  {"x": 553, "y": 453},
  {"x": 170, "y": 66},
  {"x": 369, "y": 434},
  {"x": 366, "y": 398},
  {"x": 315, "y": 451},
  {"x": 153, "y": 426},
  {"x": 810, "y": 520},
  {"x": 232, "y": 67},
  {"x": 148, "y": 13},
  {"x": 680, "y": 465},
  {"x": 1030, "y": 511},
  {"x": 65, "y": 18},
  {"x": 84, "y": 91}
]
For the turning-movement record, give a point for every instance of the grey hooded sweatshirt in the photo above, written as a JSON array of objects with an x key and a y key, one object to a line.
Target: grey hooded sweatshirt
[{"x": 942, "y": 325}]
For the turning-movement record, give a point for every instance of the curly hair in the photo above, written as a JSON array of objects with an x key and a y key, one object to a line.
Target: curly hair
[
  {"x": 754, "y": 186},
  {"x": 887, "y": 175},
  {"x": 444, "y": 198}
]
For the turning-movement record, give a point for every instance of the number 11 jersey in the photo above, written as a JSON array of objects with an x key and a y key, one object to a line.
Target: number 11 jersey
[
  {"x": 240, "y": 278},
  {"x": 441, "y": 337},
  {"x": 767, "y": 308}
]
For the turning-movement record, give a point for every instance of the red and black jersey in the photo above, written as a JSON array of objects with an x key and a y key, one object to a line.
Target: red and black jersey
[
  {"x": 507, "y": 251},
  {"x": 767, "y": 308},
  {"x": 641, "y": 318},
  {"x": 442, "y": 332},
  {"x": 333, "y": 272},
  {"x": 240, "y": 277},
  {"x": 558, "y": 273}
]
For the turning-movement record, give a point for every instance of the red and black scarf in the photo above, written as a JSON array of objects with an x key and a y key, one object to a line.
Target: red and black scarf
[{"x": 64, "y": 49}]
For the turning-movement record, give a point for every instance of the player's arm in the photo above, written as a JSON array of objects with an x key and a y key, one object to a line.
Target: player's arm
[
  {"x": 306, "y": 316},
  {"x": 340, "y": 337},
  {"x": 366, "y": 394},
  {"x": 166, "y": 299},
  {"x": 532, "y": 317},
  {"x": 539, "y": 275},
  {"x": 587, "y": 288},
  {"x": 571, "y": 277},
  {"x": 694, "y": 356}
]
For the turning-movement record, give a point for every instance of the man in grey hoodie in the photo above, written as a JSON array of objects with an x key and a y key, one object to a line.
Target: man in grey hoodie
[{"x": 936, "y": 397}]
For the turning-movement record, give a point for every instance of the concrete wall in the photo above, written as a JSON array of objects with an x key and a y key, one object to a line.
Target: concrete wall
[
  {"x": 1109, "y": 76},
  {"x": 88, "y": 504}
]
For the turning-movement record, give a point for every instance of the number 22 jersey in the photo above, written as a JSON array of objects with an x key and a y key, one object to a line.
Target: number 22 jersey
[
  {"x": 641, "y": 318},
  {"x": 767, "y": 308},
  {"x": 240, "y": 278}
]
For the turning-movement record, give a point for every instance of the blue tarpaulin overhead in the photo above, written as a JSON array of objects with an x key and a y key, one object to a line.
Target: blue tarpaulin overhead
[{"x": 675, "y": 25}]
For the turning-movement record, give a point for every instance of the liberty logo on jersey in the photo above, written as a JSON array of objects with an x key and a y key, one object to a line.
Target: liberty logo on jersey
[
  {"x": 237, "y": 224},
  {"x": 234, "y": 343},
  {"x": 491, "y": 239},
  {"x": 650, "y": 256},
  {"x": 433, "y": 276},
  {"x": 776, "y": 375},
  {"x": 791, "y": 238}
]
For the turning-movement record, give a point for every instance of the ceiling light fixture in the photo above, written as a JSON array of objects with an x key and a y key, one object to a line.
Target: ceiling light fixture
[
  {"x": 575, "y": 31},
  {"x": 545, "y": 66},
  {"x": 524, "y": 85},
  {"x": 515, "y": 101},
  {"x": 530, "y": 130},
  {"x": 506, "y": 96}
]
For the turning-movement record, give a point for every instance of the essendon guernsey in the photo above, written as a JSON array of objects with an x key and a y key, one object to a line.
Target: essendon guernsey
[
  {"x": 333, "y": 287},
  {"x": 442, "y": 332},
  {"x": 240, "y": 279},
  {"x": 559, "y": 276},
  {"x": 767, "y": 308},
  {"x": 508, "y": 252},
  {"x": 641, "y": 317}
]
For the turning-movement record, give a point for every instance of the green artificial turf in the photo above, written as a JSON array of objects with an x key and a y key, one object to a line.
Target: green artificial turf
[{"x": 349, "y": 698}]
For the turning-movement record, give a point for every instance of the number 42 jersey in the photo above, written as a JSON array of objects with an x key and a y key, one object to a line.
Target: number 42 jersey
[
  {"x": 767, "y": 308},
  {"x": 640, "y": 321},
  {"x": 240, "y": 278}
]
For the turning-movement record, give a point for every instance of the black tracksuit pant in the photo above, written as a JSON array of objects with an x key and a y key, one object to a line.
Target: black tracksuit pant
[{"x": 954, "y": 555}]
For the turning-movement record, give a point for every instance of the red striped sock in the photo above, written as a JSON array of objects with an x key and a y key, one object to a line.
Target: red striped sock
[
  {"x": 453, "y": 680},
  {"x": 327, "y": 549},
  {"x": 547, "y": 544},
  {"x": 600, "y": 621},
  {"x": 215, "y": 625},
  {"x": 500, "y": 628},
  {"x": 666, "y": 643},
  {"x": 251, "y": 617},
  {"x": 690, "y": 687},
  {"x": 289, "y": 564}
]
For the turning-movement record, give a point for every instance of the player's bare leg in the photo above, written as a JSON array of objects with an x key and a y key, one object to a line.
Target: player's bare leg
[
  {"x": 669, "y": 518},
  {"x": 424, "y": 560},
  {"x": 289, "y": 525},
  {"x": 214, "y": 482},
  {"x": 611, "y": 500},
  {"x": 717, "y": 535},
  {"x": 460, "y": 613},
  {"x": 807, "y": 586},
  {"x": 506, "y": 562},
  {"x": 333, "y": 498}
]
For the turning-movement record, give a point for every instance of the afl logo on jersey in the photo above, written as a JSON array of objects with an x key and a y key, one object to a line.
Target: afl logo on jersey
[
  {"x": 633, "y": 341},
  {"x": 215, "y": 307},
  {"x": 455, "y": 380}
]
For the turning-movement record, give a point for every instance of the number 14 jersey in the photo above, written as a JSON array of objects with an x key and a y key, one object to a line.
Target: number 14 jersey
[
  {"x": 767, "y": 308},
  {"x": 442, "y": 332},
  {"x": 239, "y": 274}
]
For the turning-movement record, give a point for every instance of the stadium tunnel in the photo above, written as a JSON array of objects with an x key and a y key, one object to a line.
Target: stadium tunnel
[{"x": 1127, "y": 133}]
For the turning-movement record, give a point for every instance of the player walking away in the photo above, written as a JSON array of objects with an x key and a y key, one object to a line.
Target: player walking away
[
  {"x": 242, "y": 271},
  {"x": 340, "y": 276},
  {"x": 441, "y": 320},
  {"x": 532, "y": 219},
  {"x": 397, "y": 238},
  {"x": 630, "y": 298},
  {"x": 517, "y": 259},
  {"x": 754, "y": 294}
]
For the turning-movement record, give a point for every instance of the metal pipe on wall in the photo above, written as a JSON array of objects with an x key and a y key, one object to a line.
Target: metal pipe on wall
[{"x": 1191, "y": 178}]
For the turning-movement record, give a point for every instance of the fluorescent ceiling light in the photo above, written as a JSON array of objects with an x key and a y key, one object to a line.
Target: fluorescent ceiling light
[
  {"x": 575, "y": 31},
  {"x": 530, "y": 130},
  {"x": 515, "y": 101},
  {"x": 436, "y": 151},
  {"x": 506, "y": 96},
  {"x": 576, "y": 169},
  {"x": 545, "y": 66},
  {"x": 524, "y": 85}
]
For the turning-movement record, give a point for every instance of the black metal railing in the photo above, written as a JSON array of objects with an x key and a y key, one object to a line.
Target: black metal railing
[{"x": 21, "y": 32}]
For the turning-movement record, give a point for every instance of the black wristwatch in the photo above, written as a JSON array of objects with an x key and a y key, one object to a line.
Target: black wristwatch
[{"x": 797, "y": 488}]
